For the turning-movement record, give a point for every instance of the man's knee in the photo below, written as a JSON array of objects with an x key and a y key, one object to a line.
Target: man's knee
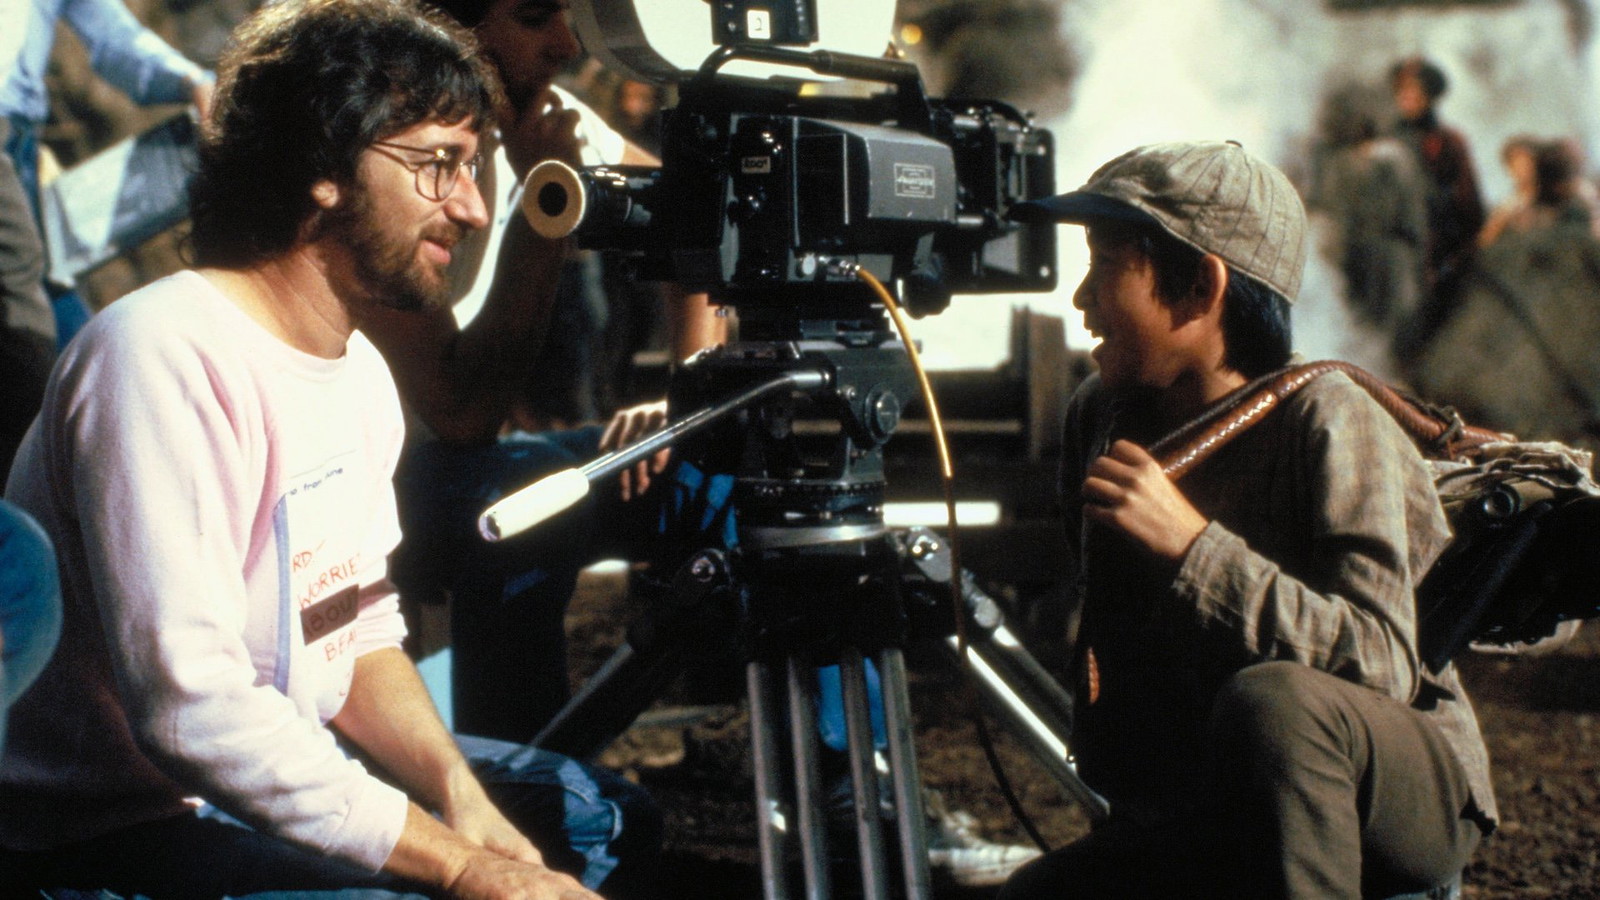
[
  {"x": 643, "y": 826},
  {"x": 618, "y": 832},
  {"x": 598, "y": 807}
]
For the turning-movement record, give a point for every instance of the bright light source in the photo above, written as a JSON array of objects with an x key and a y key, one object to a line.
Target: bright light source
[
  {"x": 910, "y": 34},
  {"x": 668, "y": 40},
  {"x": 969, "y": 514},
  {"x": 932, "y": 514}
]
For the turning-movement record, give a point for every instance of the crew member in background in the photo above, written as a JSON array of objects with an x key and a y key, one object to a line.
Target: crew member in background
[
  {"x": 1455, "y": 209},
  {"x": 464, "y": 376},
  {"x": 133, "y": 59}
]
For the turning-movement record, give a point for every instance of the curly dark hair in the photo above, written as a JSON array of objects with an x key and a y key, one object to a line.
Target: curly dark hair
[
  {"x": 467, "y": 12},
  {"x": 304, "y": 87}
]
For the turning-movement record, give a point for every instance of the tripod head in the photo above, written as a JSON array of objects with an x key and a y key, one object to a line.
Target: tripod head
[
  {"x": 799, "y": 423},
  {"x": 808, "y": 473}
]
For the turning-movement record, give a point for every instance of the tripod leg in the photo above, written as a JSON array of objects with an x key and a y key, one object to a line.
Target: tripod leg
[
  {"x": 608, "y": 702},
  {"x": 637, "y": 672},
  {"x": 772, "y": 824},
  {"x": 863, "y": 776},
  {"x": 1029, "y": 721},
  {"x": 808, "y": 779},
  {"x": 1019, "y": 690},
  {"x": 909, "y": 816}
]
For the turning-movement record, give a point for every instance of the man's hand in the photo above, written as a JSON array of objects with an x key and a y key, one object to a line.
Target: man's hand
[
  {"x": 491, "y": 877},
  {"x": 627, "y": 426},
  {"x": 435, "y": 853},
  {"x": 539, "y": 131},
  {"x": 1126, "y": 491},
  {"x": 476, "y": 818}
]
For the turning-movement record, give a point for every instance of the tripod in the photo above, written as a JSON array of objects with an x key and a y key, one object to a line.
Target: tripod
[{"x": 816, "y": 578}]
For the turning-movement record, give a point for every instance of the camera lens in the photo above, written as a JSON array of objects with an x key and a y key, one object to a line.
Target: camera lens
[{"x": 553, "y": 199}]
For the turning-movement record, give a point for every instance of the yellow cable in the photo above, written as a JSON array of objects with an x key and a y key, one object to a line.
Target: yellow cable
[
  {"x": 958, "y": 605},
  {"x": 922, "y": 375},
  {"x": 947, "y": 470}
]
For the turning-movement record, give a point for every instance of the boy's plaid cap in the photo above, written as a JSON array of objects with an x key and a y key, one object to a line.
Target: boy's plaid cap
[{"x": 1213, "y": 196}]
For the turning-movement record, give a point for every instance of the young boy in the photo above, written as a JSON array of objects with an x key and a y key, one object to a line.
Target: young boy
[{"x": 1252, "y": 703}]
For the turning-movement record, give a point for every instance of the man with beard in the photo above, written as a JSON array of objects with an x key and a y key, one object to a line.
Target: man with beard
[
  {"x": 508, "y": 600},
  {"x": 463, "y": 371},
  {"x": 230, "y": 711}
]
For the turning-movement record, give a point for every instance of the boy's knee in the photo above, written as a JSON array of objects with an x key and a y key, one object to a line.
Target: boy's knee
[{"x": 1270, "y": 708}]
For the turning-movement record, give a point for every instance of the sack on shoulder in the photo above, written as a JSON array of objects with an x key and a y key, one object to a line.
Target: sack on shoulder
[{"x": 1522, "y": 568}]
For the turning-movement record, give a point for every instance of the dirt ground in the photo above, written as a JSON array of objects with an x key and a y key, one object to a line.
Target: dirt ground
[{"x": 1541, "y": 717}]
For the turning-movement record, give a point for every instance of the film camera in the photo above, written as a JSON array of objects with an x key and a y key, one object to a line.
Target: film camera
[
  {"x": 776, "y": 191},
  {"x": 770, "y": 188}
]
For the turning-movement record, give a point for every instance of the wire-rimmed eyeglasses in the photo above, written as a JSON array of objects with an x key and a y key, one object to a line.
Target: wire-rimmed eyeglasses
[{"x": 438, "y": 172}]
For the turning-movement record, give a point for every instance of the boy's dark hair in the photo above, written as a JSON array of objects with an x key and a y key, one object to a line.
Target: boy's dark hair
[
  {"x": 1256, "y": 327},
  {"x": 302, "y": 90},
  {"x": 1430, "y": 76}
]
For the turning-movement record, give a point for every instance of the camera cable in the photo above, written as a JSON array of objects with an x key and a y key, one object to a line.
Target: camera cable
[{"x": 947, "y": 479}]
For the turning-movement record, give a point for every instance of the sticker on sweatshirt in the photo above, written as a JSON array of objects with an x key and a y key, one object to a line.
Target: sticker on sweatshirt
[
  {"x": 324, "y": 617},
  {"x": 320, "y": 567}
]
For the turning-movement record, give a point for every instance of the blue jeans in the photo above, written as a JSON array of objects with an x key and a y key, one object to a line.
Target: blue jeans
[
  {"x": 588, "y": 822},
  {"x": 30, "y": 605},
  {"x": 71, "y": 312}
]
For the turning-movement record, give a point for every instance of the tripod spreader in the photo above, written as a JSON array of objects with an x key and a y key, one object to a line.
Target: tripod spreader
[
  {"x": 1019, "y": 690},
  {"x": 552, "y": 494}
]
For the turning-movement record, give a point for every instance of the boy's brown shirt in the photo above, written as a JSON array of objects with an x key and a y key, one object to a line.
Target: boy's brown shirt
[{"x": 1323, "y": 520}]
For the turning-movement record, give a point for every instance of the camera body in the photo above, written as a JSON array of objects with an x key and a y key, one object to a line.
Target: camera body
[{"x": 767, "y": 193}]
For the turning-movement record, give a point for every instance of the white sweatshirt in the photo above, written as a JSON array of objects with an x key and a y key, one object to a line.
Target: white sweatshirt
[{"x": 222, "y": 510}]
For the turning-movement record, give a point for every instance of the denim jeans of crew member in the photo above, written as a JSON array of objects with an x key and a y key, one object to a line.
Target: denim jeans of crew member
[
  {"x": 22, "y": 145},
  {"x": 508, "y": 600},
  {"x": 588, "y": 822},
  {"x": 27, "y": 321}
]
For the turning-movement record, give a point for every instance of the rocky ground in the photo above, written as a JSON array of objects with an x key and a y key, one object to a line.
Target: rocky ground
[
  {"x": 1542, "y": 721},
  {"x": 1541, "y": 717}
]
